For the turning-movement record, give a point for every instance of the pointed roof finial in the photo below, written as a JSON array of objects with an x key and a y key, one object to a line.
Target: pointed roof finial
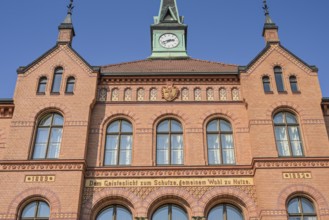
[
  {"x": 268, "y": 19},
  {"x": 70, "y": 7}
]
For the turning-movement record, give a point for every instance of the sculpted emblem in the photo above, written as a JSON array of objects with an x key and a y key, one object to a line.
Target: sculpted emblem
[{"x": 169, "y": 92}]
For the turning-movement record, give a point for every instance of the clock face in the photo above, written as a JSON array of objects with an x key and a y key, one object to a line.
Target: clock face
[{"x": 169, "y": 41}]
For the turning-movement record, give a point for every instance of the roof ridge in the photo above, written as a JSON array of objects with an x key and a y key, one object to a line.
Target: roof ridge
[{"x": 215, "y": 62}]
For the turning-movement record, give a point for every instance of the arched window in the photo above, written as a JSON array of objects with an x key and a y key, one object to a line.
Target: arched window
[
  {"x": 235, "y": 94},
  {"x": 170, "y": 149},
  {"x": 293, "y": 84},
  {"x": 287, "y": 135},
  {"x": 42, "y": 85},
  {"x": 70, "y": 85},
  {"x": 220, "y": 142},
  {"x": 37, "y": 210},
  {"x": 225, "y": 212},
  {"x": 170, "y": 212},
  {"x": 57, "y": 80},
  {"x": 302, "y": 209},
  {"x": 279, "y": 79},
  {"x": 102, "y": 95},
  {"x": 115, "y": 212},
  {"x": 119, "y": 139},
  {"x": 48, "y": 137},
  {"x": 153, "y": 94},
  {"x": 266, "y": 84}
]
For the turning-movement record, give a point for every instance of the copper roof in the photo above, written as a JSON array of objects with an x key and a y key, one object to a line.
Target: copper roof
[{"x": 187, "y": 66}]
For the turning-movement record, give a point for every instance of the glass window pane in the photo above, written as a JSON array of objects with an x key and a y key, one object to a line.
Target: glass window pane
[
  {"x": 126, "y": 142},
  {"x": 57, "y": 82},
  {"x": 162, "y": 142},
  {"x": 227, "y": 141},
  {"x": 225, "y": 126},
  {"x": 161, "y": 213},
  {"x": 233, "y": 213},
  {"x": 42, "y": 136},
  {"x": 46, "y": 121},
  {"x": 291, "y": 119},
  {"x": 125, "y": 157},
  {"x": 228, "y": 156},
  {"x": 163, "y": 126},
  {"x": 307, "y": 206},
  {"x": 42, "y": 88},
  {"x": 53, "y": 151},
  {"x": 283, "y": 148},
  {"x": 309, "y": 218},
  {"x": 56, "y": 135},
  {"x": 112, "y": 142},
  {"x": 213, "y": 141},
  {"x": 29, "y": 210},
  {"x": 178, "y": 213},
  {"x": 216, "y": 213},
  {"x": 267, "y": 87},
  {"x": 213, "y": 126},
  {"x": 177, "y": 157},
  {"x": 126, "y": 127},
  {"x": 106, "y": 214},
  {"x": 69, "y": 87},
  {"x": 214, "y": 157},
  {"x": 44, "y": 210},
  {"x": 279, "y": 82},
  {"x": 123, "y": 214},
  {"x": 111, "y": 157},
  {"x": 176, "y": 126},
  {"x": 279, "y": 119},
  {"x": 39, "y": 151},
  {"x": 113, "y": 127},
  {"x": 281, "y": 133},
  {"x": 293, "y": 206},
  {"x": 176, "y": 142},
  {"x": 162, "y": 157},
  {"x": 58, "y": 120}
]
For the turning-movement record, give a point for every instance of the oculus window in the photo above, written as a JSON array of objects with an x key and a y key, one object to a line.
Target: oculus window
[
  {"x": 114, "y": 213},
  {"x": 220, "y": 142},
  {"x": 48, "y": 137},
  {"x": 118, "y": 147},
  {"x": 170, "y": 148},
  {"x": 287, "y": 135},
  {"x": 37, "y": 210},
  {"x": 300, "y": 208},
  {"x": 225, "y": 212},
  {"x": 170, "y": 212}
]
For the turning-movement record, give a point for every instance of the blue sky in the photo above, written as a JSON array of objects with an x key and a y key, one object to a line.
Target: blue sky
[{"x": 109, "y": 31}]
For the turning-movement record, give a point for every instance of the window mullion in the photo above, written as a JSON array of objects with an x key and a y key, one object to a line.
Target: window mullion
[
  {"x": 119, "y": 143},
  {"x": 49, "y": 135}
]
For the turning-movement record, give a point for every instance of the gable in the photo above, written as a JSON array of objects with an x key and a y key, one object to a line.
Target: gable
[{"x": 268, "y": 50}]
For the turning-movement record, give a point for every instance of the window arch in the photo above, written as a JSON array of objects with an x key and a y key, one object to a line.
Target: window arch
[
  {"x": 42, "y": 85},
  {"x": 118, "y": 146},
  {"x": 70, "y": 84},
  {"x": 48, "y": 137},
  {"x": 287, "y": 135},
  {"x": 170, "y": 148},
  {"x": 279, "y": 78},
  {"x": 266, "y": 84},
  {"x": 301, "y": 208},
  {"x": 225, "y": 212},
  {"x": 170, "y": 212},
  {"x": 220, "y": 142},
  {"x": 293, "y": 84},
  {"x": 37, "y": 210},
  {"x": 114, "y": 212},
  {"x": 57, "y": 81}
]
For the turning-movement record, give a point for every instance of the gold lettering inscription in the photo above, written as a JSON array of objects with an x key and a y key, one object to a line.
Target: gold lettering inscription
[
  {"x": 39, "y": 179},
  {"x": 297, "y": 175},
  {"x": 112, "y": 183}
]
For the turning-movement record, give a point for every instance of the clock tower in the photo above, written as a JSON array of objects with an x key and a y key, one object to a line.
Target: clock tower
[{"x": 168, "y": 33}]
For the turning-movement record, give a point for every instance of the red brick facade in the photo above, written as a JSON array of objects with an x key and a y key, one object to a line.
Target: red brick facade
[{"x": 103, "y": 95}]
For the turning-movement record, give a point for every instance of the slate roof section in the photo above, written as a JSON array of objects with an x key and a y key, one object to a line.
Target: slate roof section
[{"x": 169, "y": 67}]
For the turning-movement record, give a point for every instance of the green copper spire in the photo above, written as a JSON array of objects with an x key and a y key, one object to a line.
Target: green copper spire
[
  {"x": 168, "y": 13},
  {"x": 169, "y": 40}
]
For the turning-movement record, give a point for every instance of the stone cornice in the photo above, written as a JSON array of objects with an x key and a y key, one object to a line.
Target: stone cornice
[{"x": 44, "y": 165}]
